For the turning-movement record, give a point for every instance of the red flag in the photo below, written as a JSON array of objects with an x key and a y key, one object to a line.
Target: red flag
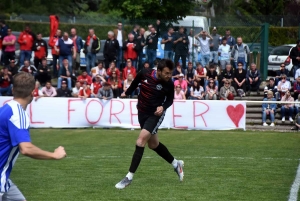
[{"x": 54, "y": 22}]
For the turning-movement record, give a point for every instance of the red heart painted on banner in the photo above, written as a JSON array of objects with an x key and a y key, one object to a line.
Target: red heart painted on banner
[{"x": 235, "y": 113}]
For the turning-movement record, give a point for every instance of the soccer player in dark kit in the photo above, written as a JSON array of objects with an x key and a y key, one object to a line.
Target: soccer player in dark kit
[{"x": 156, "y": 96}]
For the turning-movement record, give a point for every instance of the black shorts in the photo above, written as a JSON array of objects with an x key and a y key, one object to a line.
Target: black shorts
[{"x": 150, "y": 122}]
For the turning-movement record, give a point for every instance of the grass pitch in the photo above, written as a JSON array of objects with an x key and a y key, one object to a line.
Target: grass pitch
[{"x": 219, "y": 165}]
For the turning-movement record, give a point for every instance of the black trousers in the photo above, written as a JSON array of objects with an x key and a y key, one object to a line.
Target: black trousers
[
  {"x": 37, "y": 62},
  {"x": 183, "y": 59},
  {"x": 7, "y": 56}
]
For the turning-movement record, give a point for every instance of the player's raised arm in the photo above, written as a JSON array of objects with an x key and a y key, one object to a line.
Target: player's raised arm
[{"x": 32, "y": 151}]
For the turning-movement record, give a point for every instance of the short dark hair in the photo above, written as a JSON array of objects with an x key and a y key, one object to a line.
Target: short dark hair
[
  {"x": 2, "y": 21},
  {"x": 224, "y": 38},
  {"x": 146, "y": 62},
  {"x": 23, "y": 85},
  {"x": 165, "y": 63},
  {"x": 211, "y": 65},
  {"x": 271, "y": 79},
  {"x": 240, "y": 63}
]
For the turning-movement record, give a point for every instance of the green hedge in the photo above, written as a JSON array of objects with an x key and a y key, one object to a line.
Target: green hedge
[{"x": 278, "y": 35}]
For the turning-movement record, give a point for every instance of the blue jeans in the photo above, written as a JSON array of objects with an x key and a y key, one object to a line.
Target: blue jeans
[
  {"x": 90, "y": 61},
  {"x": 151, "y": 57},
  {"x": 61, "y": 58},
  {"x": 241, "y": 59},
  {"x": 168, "y": 54},
  {"x": 296, "y": 110},
  {"x": 69, "y": 83},
  {"x": 289, "y": 111},
  {"x": 141, "y": 60},
  {"x": 6, "y": 90},
  {"x": 119, "y": 57},
  {"x": 264, "y": 116},
  {"x": 214, "y": 56},
  {"x": 193, "y": 57},
  {"x": 205, "y": 59},
  {"x": 207, "y": 83},
  {"x": 25, "y": 55}
]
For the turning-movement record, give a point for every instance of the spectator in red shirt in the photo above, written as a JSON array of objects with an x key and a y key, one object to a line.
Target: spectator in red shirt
[
  {"x": 116, "y": 84},
  {"x": 5, "y": 82},
  {"x": 130, "y": 48},
  {"x": 84, "y": 77},
  {"x": 55, "y": 54},
  {"x": 40, "y": 49},
  {"x": 26, "y": 40},
  {"x": 37, "y": 91},
  {"x": 129, "y": 69},
  {"x": 97, "y": 85},
  {"x": 113, "y": 68},
  {"x": 85, "y": 92}
]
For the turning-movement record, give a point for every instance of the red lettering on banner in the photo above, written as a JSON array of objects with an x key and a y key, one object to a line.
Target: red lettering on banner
[
  {"x": 177, "y": 115},
  {"x": 131, "y": 114},
  {"x": 201, "y": 114},
  {"x": 6, "y": 101},
  {"x": 86, "y": 114},
  {"x": 31, "y": 116},
  {"x": 115, "y": 114},
  {"x": 69, "y": 109}
]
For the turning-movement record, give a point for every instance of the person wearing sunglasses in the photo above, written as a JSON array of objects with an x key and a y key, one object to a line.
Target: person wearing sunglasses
[
  {"x": 284, "y": 85},
  {"x": 227, "y": 92},
  {"x": 280, "y": 72},
  {"x": 178, "y": 93},
  {"x": 211, "y": 91},
  {"x": 240, "y": 76},
  {"x": 287, "y": 108}
]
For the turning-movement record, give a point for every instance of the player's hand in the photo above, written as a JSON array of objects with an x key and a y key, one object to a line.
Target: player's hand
[
  {"x": 123, "y": 95},
  {"x": 159, "y": 111},
  {"x": 60, "y": 153}
]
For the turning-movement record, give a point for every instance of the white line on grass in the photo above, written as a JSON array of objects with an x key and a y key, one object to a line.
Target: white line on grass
[{"x": 295, "y": 187}]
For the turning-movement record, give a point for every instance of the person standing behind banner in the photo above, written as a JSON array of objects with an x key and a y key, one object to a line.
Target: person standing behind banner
[
  {"x": 111, "y": 48},
  {"x": 40, "y": 49},
  {"x": 3, "y": 33},
  {"x": 120, "y": 35},
  {"x": 9, "y": 42},
  {"x": 26, "y": 40},
  {"x": 55, "y": 54},
  {"x": 167, "y": 39},
  {"x": 181, "y": 44},
  {"x": 151, "y": 42},
  {"x": 130, "y": 47},
  {"x": 91, "y": 47},
  {"x": 78, "y": 45}
]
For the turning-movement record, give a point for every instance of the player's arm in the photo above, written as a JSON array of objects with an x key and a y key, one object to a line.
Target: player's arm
[
  {"x": 170, "y": 97},
  {"x": 135, "y": 83},
  {"x": 32, "y": 151}
]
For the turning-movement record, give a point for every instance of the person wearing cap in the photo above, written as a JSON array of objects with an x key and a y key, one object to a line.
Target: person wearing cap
[
  {"x": 194, "y": 43},
  {"x": 129, "y": 69},
  {"x": 64, "y": 91},
  {"x": 269, "y": 109},
  {"x": 177, "y": 71},
  {"x": 182, "y": 83},
  {"x": 214, "y": 46},
  {"x": 271, "y": 87},
  {"x": 85, "y": 92},
  {"x": 106, "y": 92},
  {"x": 96, "y": 85},
  {"x": 5, "y": 82},
  {"x": 295, "y": 56},
  {"x": 9, "y": 42}
]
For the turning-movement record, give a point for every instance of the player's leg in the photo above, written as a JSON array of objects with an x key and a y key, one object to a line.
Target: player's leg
[
  {"x": 13, "y": 194},
  {"x": 162, "y": 151}
]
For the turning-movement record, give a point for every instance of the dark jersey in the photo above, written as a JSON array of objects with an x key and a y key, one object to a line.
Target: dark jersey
[{"x": 153, "y": 92}]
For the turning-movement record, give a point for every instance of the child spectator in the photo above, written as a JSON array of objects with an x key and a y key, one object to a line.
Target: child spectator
[
  {"x": 112, "y": 68},
  {"x": 297, "y": 88},
  {"x": 283, "y": 86},
  {"x": 200, "y": 74},
  {"x": 240, "y": 76},
  {"x": 211, "y": 91},
  {"x": 182, "y": 83},
  {"x": 227, "y": 92},
  {"x": 287, "y": 108},
  {"x": 76, "y": 89},
  {"x": 178, "y": 93},
  {"x": 269, "y": 109},
  {"x": 116, "y": 84},
  {"x": 127, "y": 83},
  {"x": 48, "y": 90},
  {"x": 129, "y": 69},
  {"x": 177, "y": 71},
  {"x": 197, "y": 91},
  {"x": 253, "y": 78},
  {"x": 98, "y": 70},
  {"x": 96, "y": 85},
  {"x": 105, "y": 92},
  {"x": 85, "y": 92},
  {"x": 271, "y": 87},
  {"x": 190, "y": 74},
  {"x": 5, "y": 82},
  {"x": 84, "y": 78},
  {"x": 212, "y": 75},
  {"x": 64, "y": 91}
]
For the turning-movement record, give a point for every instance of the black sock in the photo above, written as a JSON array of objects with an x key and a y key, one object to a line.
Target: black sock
[
  {"x": 163, "y": 151},
  {"x": 136, "y": 158}
]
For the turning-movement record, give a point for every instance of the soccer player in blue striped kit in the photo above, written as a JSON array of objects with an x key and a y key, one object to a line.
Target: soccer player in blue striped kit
[
  {"x": 156, "y": 96},
  {"x": 15, "y": 138}
]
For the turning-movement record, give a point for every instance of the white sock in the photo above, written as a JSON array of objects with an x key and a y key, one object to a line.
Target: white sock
[
  {"x": 174, "y": 163},
  {"x": 130, "y": 175}
]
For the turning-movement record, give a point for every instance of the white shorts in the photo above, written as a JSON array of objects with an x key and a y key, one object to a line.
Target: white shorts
[{"x": 13, "y": 194}]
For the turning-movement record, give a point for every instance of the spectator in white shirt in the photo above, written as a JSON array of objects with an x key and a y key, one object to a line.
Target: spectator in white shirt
[
  {"x": 197, "y": 91},
  {"x": 193, "y": 47},
  {"x": 205, "y": 48},
  {"x": 283, "y": 86},
  {"x": 224, "y": 53},
  {"x": 76, "y": 89},
  {"x": 98, "y": 70}
]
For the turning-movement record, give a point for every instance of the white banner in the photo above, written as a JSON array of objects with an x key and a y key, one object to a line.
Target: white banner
[{"x": 92, "y": 112}]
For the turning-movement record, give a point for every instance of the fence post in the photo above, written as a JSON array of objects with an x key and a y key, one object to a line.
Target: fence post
[
  {"x": 74, "y": 20},
  {"x": 281, "y": 22},
  {"x": 264, "y": 50},
  {"x": 193, "y": 48},
  {"x": 299, "y": 32}
]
